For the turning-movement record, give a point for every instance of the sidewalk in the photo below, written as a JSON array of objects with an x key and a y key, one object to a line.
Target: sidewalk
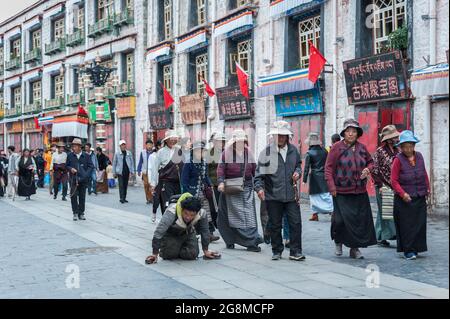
[{"x": 239, "y": 274}]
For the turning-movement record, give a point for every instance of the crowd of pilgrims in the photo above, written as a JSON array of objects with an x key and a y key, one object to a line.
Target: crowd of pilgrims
[{"x": 209, "y": 189}]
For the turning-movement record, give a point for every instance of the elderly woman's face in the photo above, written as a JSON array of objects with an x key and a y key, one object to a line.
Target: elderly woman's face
[
  {"x": 351, "y": 135},
  {"x": 408, "y": 148}
]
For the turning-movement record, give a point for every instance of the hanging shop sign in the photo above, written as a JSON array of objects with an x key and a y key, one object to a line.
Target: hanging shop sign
[
  {"x": 70, "y": 125},
  {"x": 126, "y": 107},
  {"x": 377, "y": 78},
  {"x": 190, "y": 40},
  {"x": 14, "y": 127},
  {"x": 29, "y": 126},
  {"x": 232, "y": 104},
  {"x": 432, "y": 80},
  {"x": 299, "y": 103},
  {"x": 92, "y": 112},
  {"x": 192, "y": 108},
  {"x": 160, "y": 117},
  {"x": 235, "y": 21}
]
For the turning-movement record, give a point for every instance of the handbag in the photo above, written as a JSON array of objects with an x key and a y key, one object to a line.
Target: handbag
[
  {"x": 100, "y": 176},
  {"x": 235, "y": 185},
  {"x": 387, "y": 203}
]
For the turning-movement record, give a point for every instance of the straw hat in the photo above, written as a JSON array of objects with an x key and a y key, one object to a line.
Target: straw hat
[
  {"x": 352, "y": 123},
  {"x": 61, "y": 144},
  {"x": 388, "y": 132},
  {"x": 170, "y": 134},
  {"x": 313, "y": 139},
  {"x": 281, "y": 128},
  {"x": 77, "y": 141}
]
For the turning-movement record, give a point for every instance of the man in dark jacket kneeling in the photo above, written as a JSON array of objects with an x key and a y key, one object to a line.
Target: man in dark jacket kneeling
[{"x": 175, "y": 236}]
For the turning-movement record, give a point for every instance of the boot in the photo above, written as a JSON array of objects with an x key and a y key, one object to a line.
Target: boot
[
  {"x": 355, "y": 253},
  {"x": 338, "y": 251}
]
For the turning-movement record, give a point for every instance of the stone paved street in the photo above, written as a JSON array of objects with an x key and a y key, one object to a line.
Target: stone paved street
[{"x": 39, "y": 242}]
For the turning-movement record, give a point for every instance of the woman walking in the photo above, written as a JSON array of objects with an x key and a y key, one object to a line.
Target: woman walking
[
  {"x": 346, "y": 170},
  {"x": 26, "y": 166},
  {"x": 319, "y": 197},
  {"x": 411, "y": 185},
  {"x": 237, "y": 221},
  {"x": 195, "y": 180},
  {"x": 103, "y": 161},
  {"x": 381, "y": 175}
]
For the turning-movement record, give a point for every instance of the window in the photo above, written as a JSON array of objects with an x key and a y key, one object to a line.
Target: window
[
  {"x": 389, "y": 15},
  {"x": 58, "y": 86},
  {"x": 233, "y": 4},
  {"x": 308, "y": 30},
  {"x": 76, "y": 81},
  {"x": 129, "y": 68},
  {"x": 2, "y": 103},
  {"x": 15, "y": 48},
  {"x": 167, "y": 19},
  {"x": 80, "y": 18},
  {"x": 2, "y": 56},
  {"x": 17, "y": 97},
  {"x": 58, "y": 29},
  {"x": 35, "y": 40},
  {"x": 128, "y": 4},
  {"x": 201, "y": 11},
  {"x": 239, "y": 50},
  {"x": 35, "y": 91},
  {"x": 201, "y": 71},
  {"x": 105, "y": 9},
  {"x": 167, "y": 77},
  {"x": 244, "y": 50}
]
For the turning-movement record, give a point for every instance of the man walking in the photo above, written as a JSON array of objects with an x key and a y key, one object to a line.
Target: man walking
[
  {"x": 92, "y": 185},
  {"x": 144, "y": 166},
  {"x": 40, "y": 163},
  {"x": 13, "y": 159},
  {"x": 80, "y": 168},
  {"x": 59, "y": 170},
  {"x": 279, "y": 169},
  {"x": 123, "y": 167}
]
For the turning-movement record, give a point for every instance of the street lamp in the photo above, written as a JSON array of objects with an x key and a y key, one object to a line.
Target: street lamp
[{"x": 97, "y": 75}]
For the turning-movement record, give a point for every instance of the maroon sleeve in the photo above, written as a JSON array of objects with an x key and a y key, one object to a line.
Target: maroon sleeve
[
  {"x": 330, "y": 166},
  {"x": 395, "y": 172}
]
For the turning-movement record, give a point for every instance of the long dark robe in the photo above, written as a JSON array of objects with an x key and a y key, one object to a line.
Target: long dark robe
[
  {"x": 411, "y": 224},
  {"x": 352, "y": 222},
  {"x": 26, "y": 186}
]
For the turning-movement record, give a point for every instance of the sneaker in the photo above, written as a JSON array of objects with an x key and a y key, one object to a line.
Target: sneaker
[
  {"x": 64, "y": 199},
  {"x": 338, "y": 251},
  {"x": 410, "y": 256},
  {"x": 154, "y": 218},
  {"x": 276, "y": 256},
  {"x": 81, "y": 217},
  {"x": 297, "y": 257},
  {"x": 230, "y": 246},
  {"x": 212, "y": 238},
  {"x": 255, "y": 249},
  {"x": 54, "y": 197},
  {"x": 355, "y": 253},
  {"x": 75, "y": 218},
  {"x": 125, "y": 201},
  {"x": 287, "y": 244},
  {"x": 384, "y": 243},
  {"x": 267, "y": 239}
]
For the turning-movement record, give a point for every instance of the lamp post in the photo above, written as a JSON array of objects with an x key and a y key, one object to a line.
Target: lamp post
[{"x": 97, "y": 75}]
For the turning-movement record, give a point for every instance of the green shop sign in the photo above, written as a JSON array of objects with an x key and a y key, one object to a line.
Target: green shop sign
[{"x": 93, "y": 114}]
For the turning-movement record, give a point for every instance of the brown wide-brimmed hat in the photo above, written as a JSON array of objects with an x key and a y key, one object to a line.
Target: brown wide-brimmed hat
[
  {"x": 352, "y": 123},
  {"x": 388, "y": 132},
  {"x": 60, "y": 144},
  {"x": 77, "y": 141}
]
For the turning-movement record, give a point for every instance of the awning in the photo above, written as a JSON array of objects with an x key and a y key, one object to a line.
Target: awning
[
  {"x": 31, "y": 75},
  {"x": 190, "y": 40},
  {"x": 70, "y": 125},
  {"x": 72, "y": 2},
  {"x": 13, "y": 32},
  {"x": 55, "y": 10},
  {"x": 233, "y": 22},
  {"x": 281, "y": 6},
  {"x": 158, "y": 51},
  {"x": 283, "y": 83},
  {"x": 32, "y": 23},
  {"x": 432, "y": 80},
  {"x": 46, "y": 120},
  {"x": 52, "y": 68},
  {"x": 111, "y": 48},
  {"x": 12, "y": 82},
  {"x": 75, "y": 60}
]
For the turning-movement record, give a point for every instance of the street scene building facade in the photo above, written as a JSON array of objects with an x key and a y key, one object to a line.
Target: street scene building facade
[{"x": 386, "y": 62}]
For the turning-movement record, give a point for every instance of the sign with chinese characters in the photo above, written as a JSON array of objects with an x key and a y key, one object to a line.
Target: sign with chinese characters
[
  {"x": 377, "y": 78},
  {"x": 126, "y": 107},
  {"x": 92, "y": 112},
  {"x": 29, "y": 126},
  {"x": 14, "y": 127},
  {"x": 160, "y": 117},
  {"x": 192, "y": 108},
  {"x": 232, "y": 104},
  {"x": 299, "y": 103}
]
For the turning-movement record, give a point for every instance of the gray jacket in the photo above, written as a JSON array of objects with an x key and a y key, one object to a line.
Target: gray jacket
[
  {"x": 118, "y": 163},
  {"x": 274, "y": 175},
  {"x": 94, "y": 160}
]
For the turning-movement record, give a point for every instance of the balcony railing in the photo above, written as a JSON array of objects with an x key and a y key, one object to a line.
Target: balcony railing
[
  {"x": 14, "y": 111},
  {"x": 2, "y": 71},
  {"x": 55, "y": 47},
  {"x": 54, "y": 103},
  {"x": 125, "y": 89},
  {"x": 100, "y": 27},
  {"x": 13, "y": 63},
  {"x": 35, "y": 107},
  {"x": 32, "y": 56},
  {"x": 76, "y": 38},
  {"x": 125, "y": 17},
  {"x": 75, "y": 99}
]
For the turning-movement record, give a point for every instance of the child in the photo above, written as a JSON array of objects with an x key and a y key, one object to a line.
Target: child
[{"x": 110, "y": 175}]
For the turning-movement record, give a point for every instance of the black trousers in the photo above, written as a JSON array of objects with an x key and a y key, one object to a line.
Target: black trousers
[
  {"x": 276, "y": 210},
  {"x": 213, "y": 223},
  {"x": 166, "y": 191},
  {"x": 41, "y": 175},
  {"x": 123, "y": 185},
  {"x": 56, "y": 188},
  {"x": 78, "y": 199}
]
